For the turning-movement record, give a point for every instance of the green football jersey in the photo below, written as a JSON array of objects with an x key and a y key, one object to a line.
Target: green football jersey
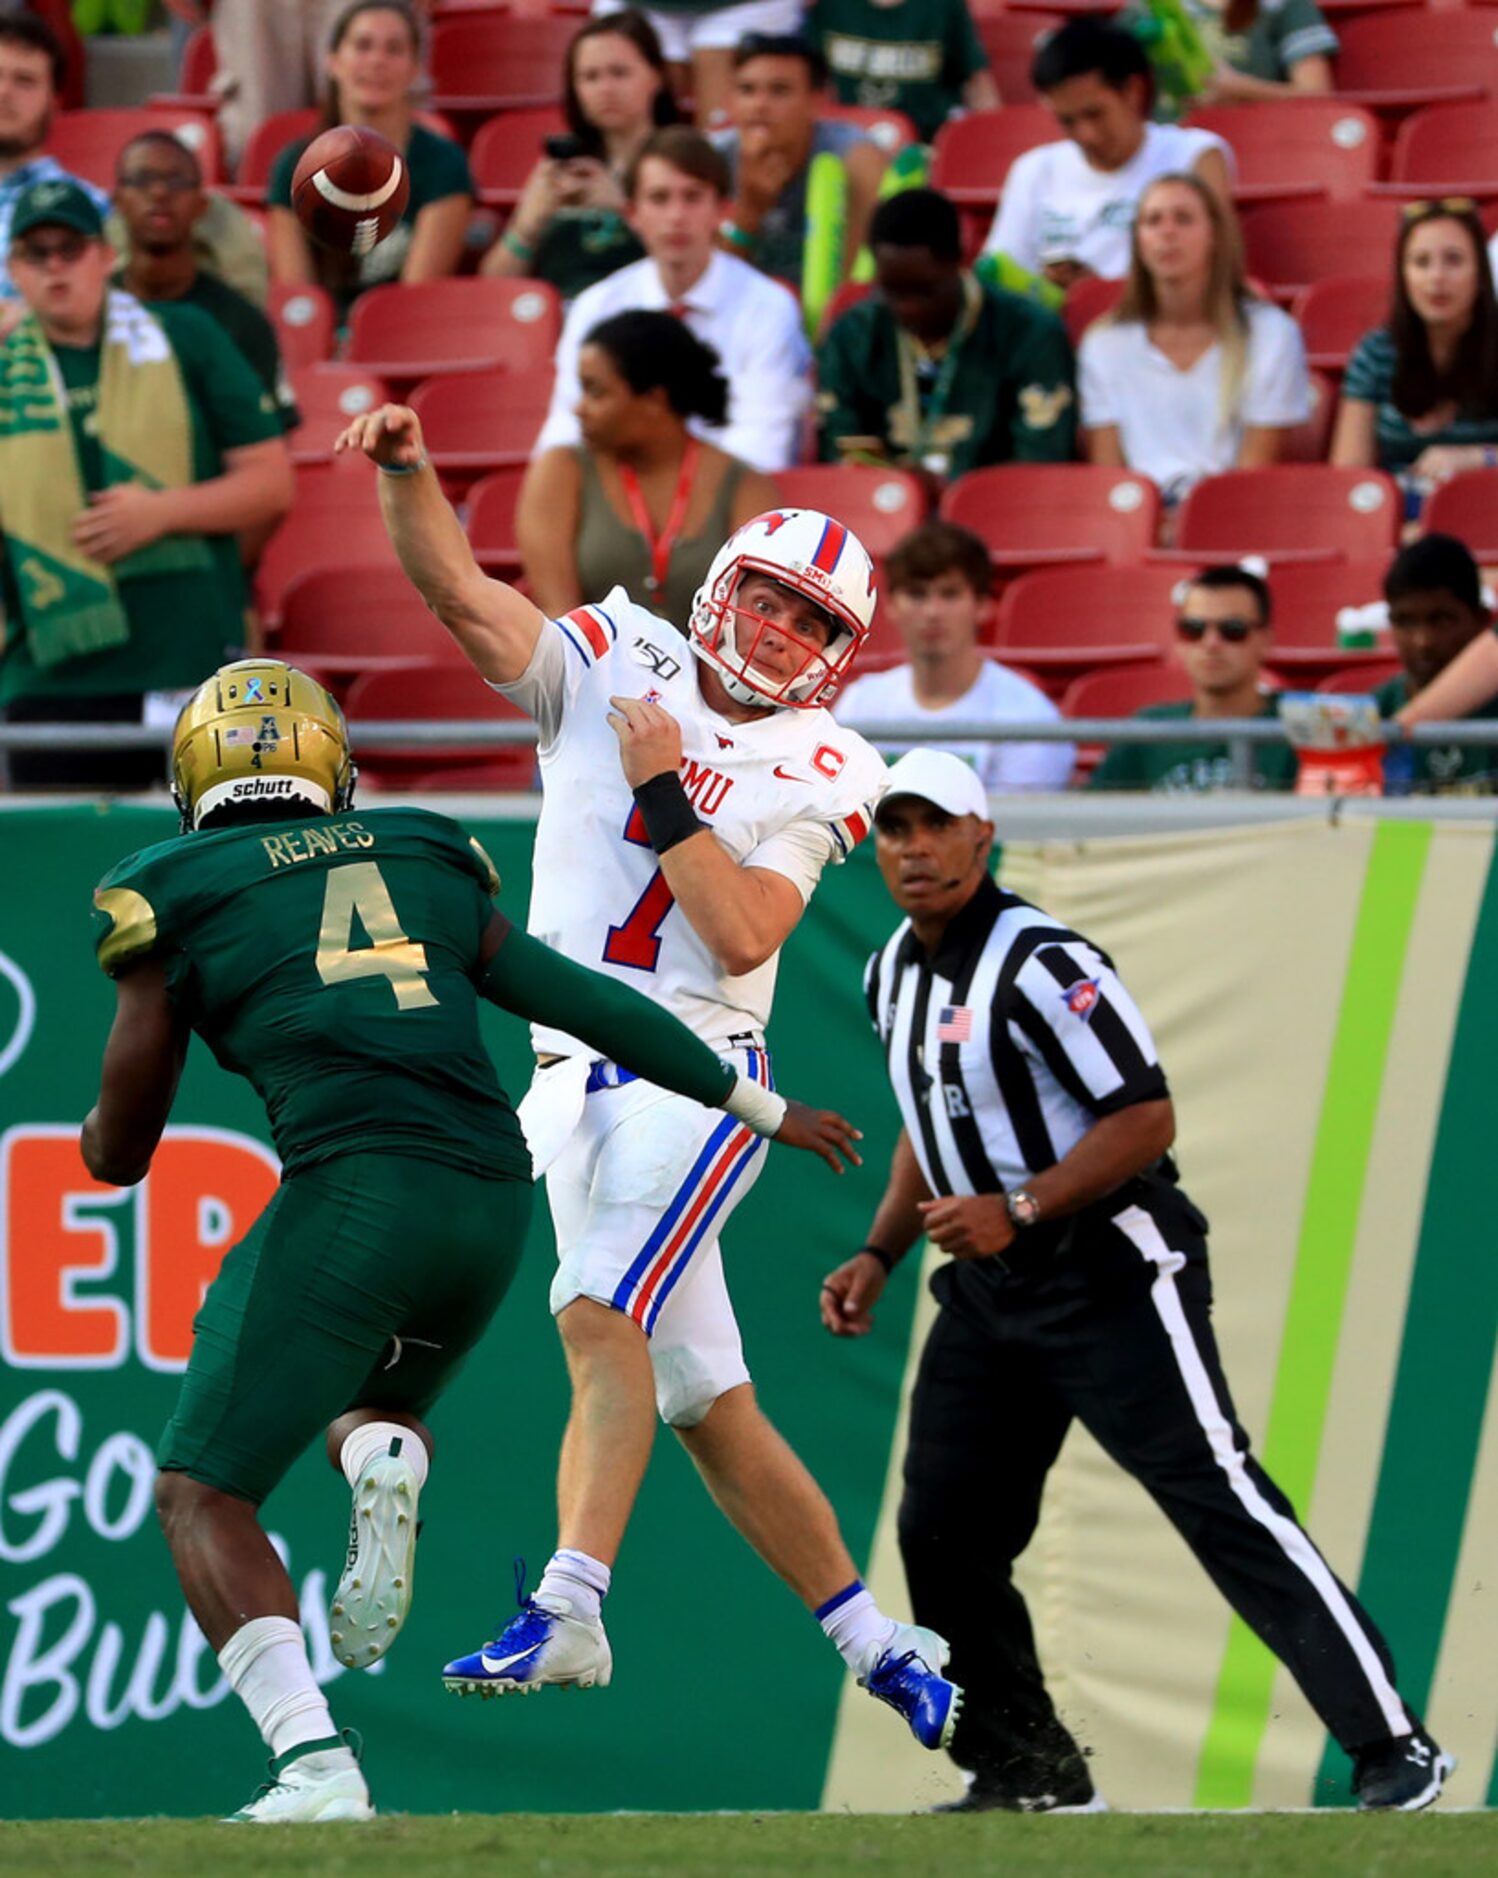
[{"x": 332, "y": 963}]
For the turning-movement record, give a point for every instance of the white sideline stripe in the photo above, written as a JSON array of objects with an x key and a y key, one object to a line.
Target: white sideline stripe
[
  {"x": 1146, "y": 1235},
  {"x": 359, "y": 205}
]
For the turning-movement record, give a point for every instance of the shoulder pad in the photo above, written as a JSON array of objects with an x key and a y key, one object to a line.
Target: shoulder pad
[
  {"x": 489, "y": 870},
  {"x": 126, "y": 923}
]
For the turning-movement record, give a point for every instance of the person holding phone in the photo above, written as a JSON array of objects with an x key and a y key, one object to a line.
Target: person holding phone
[{"x": 569, "y": 227}]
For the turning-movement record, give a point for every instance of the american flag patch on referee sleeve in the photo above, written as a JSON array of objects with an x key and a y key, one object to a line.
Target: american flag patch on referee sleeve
[{"x": 954, "y": 1023}]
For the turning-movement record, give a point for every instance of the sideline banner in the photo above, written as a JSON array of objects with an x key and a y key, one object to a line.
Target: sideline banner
[{"x": 1321, "y": 996}]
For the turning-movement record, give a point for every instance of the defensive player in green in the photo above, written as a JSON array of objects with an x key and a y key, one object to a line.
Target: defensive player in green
[{"x": 336, "y": 961}]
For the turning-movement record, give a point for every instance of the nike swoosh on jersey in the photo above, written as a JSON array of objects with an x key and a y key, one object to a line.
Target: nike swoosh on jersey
[
  {"x": 496, "y": 1666},
  {"x": 789, "y": 775}
]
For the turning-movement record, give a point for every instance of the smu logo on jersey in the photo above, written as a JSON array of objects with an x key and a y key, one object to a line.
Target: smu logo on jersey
[{"x": 1081, "y": 999}]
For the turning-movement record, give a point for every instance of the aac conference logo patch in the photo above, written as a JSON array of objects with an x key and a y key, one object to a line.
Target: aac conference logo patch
[
  {"x": 17, "y": 1013},
  {"x": 1081, "y": 998}
]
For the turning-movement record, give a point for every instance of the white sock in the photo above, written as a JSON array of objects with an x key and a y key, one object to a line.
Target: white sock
[
  {"x": 266, "y": 1665},
  {"x": 370, "y": 1439},
  {"x": 857, "y": 1626},
  {"x": 581, "y": 1580}
]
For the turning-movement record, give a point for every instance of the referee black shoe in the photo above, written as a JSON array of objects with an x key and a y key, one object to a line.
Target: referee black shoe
[
  {"x": 1063, "y": 1793},
  {"x": 1401, "y": 1774}
]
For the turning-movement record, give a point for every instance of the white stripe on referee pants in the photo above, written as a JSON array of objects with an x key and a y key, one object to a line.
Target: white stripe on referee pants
[{"x": 1297, "y": 1547}]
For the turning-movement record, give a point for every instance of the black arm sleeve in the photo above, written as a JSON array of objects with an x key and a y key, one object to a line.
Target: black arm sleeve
[{"x": 530, "y": 979}]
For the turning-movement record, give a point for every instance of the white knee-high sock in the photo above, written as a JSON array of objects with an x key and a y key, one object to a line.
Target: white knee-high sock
[
  {"x": 372, "y": 1438},
  {"x": 857, "y": 1626},
  {"x": 265, "y": 1663},
  {"x": 582, "y": 1580}
]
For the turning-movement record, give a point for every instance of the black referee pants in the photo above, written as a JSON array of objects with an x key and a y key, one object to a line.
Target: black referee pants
[{"x": 1118, "y": 1334}]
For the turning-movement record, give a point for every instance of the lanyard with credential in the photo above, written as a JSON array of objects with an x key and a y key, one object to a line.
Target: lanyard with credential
[
  {"x": 662, "y": 544},
  {"x": 923, "y": 428}
]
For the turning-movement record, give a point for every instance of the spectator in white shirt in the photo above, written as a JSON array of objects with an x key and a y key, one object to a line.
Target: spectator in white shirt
[
  {"x": 1067, "y": 207},
  {"x": 678, "y": 188},
  {"x": 939, "y": 582},
  {"x": 1191, "y": 373}
]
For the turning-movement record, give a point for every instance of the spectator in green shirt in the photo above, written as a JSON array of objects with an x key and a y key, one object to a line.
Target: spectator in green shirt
[
  {"x": 1262, "y": 49},
  {"x": 935, "y": 371},
  {"x": 1436, "y": 610},
  {"x": 922, "y": 57},
  {"x": 1222, "y": 641},
  {"x": 135, "y": 446}
]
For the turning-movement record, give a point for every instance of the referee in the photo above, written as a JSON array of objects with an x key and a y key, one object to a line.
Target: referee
[{"x": 1034, "y": 1150}]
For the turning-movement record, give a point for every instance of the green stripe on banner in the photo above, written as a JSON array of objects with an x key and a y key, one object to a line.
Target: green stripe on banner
[
  {"x": 1445, "y": 1360},
  {"x": 1323, "y": 1262}
]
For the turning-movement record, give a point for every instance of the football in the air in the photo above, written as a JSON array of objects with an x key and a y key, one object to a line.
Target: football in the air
[{"x": 350, "y": 189}]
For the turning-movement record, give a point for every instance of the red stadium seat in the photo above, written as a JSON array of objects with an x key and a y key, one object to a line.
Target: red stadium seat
[
  {"x": 1310, "y": 441},
  {"x": 1376, "y": 669},
  {"x": 1087, "y": 301},
  {"x": 1400, "y": 60},
  {"x": 194, "y": 76},
  {"x": 507, "y": 149},
  {"x": 498, "y": 62},
  {"x": 334, "y": 519},
  {"x": 1066, "y": 619},
  {"x": 879, "y": 505},
  {"x": 1292, "y": 243},
  {"x": 1467, "y": 507},
  {"x": 972, "y": 154},
  {"x": 329, "y": 398},
  {"x": 1307, "y": 600},
  {"x": 849, "y": 294},
  {"x": 1125, "y": 689},
  {"x": 346, "y": 619},
  {"x": 450, "y": 690},
  {"x": 88, "y": 143},
  {"x": 304, "y": 319},
  {"x": 431, "y": 327},
  {"x": 1297, "y": 147},
  {"x": 1010, "y": 39},
  {"x": 1333, "y": 315},
  {"x": 1448, "y": 150},
  {"x": 1040, "y": 514},
  {"x": 491, "y": 521},
  {"x": 1290, "y": 511},
  {"x": 265, "y": 143},
  {"x": 481, "y": 422}
]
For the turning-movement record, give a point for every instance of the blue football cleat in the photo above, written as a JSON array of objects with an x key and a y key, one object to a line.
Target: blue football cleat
[
  {"x": 907, "y": 1675},
  {"x": 542, "y": 1643}
]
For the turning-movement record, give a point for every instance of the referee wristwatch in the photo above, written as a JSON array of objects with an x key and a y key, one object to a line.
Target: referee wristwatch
[{"x": 1023, "y": 1208}]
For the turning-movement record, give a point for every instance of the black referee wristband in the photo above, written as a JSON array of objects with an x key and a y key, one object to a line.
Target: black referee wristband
[
  {"x": 666, "y": 812},
  {"x": 889, "y": 1260}
]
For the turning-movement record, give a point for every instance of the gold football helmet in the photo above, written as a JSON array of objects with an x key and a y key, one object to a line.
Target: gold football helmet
[{"x": 260, "y": 733}]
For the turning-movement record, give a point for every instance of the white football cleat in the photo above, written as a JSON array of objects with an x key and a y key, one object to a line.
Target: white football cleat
[
  {"x": 374, "y": 1593},
  {"x": 320, "y": 1780},
  {"x": 542, "y": 1643}
]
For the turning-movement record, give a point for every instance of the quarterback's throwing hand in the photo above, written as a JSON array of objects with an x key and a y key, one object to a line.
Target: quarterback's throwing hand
[
  {"x": 390, "y": 436},
  {"x": 649, "y": 739},
  {"x": 849, "y": 1295},
  {"x": 820, "y": 1131}
]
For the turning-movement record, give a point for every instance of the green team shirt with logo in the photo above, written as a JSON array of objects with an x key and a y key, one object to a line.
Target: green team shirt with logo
[
  {"x": 1195, "y": 765},
  {"x": 913, "y": 56},
  {"x": 1446, "y": 768},
  {"x": 331, "y": 962}
]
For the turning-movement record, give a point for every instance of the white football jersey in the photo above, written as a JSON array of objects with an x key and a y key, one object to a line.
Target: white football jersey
[{"x": 789, "y": 792}]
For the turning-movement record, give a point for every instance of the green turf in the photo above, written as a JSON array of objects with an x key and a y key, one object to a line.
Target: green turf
[{"x": 1325, "y": 1845}]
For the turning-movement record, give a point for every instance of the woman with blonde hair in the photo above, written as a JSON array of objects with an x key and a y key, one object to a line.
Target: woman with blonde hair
[{"x": 1192, "y": 373}]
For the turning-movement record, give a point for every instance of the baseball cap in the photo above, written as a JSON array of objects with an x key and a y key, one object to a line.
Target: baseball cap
[
  {"x": 937, "y": 776},
  {"x": 56, "y": 202}
]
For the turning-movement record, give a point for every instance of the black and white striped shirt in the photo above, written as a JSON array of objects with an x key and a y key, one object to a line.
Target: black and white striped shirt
[{"x": 1008, "y": 1045}]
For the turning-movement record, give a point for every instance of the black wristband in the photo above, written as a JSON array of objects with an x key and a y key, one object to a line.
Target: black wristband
[
  {"x": 889, "y": 1260},
  {"x": 666, "y": 812}
]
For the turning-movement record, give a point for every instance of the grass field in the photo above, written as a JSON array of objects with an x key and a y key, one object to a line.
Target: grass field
[{"x": 1244, "y": 1845}]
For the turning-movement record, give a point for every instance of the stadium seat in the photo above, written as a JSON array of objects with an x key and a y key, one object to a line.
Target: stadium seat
[
  {"x": 1371, "y": 671},
  {"x": 264, "y": 144},
  {"x": 849, "y": 294},
  {"x": 972, "y": 154},
  {"x": 406, "y": 332},
  {"x": 879, "y": 505},
  {"x": 1087, "y": 301},
  {"x": 481, "y": 421},
  {"x": 347, "y": 619},
  {"x": 1291, "y": 243},
  {"x": 329, "y": 397},
  {"x": 1010, "y": 39},
  {"x": 1040, "y": 514},
  {"x": 451, "y": 690},
  {"x": 1307, "y": 600},
  {"x": 890, "y": 129},
  {"x": 88, "y": 143},
  {"x": 1334, "y": 313},
  {"x": 491, "y": 521},
  {"x": 1066, "y": 619},
  {"x": 1290, "y": 511},
  {"x": 305, "y": 320},
  {"x": 1296, "y": 147},
  {"x": 334, "y": 519},
  {"x": 1309, "y": 442},
  {"x": 1447, "y": 150},
  {"x": 506, "y": 150},
  {"x": 194, "y": 76},
  {"x": 1467, "y": 507},
  {"x": 1398, "y": 60},
  {"x": 497, "y": 62},
  {"x": 1125, "y": 689}
]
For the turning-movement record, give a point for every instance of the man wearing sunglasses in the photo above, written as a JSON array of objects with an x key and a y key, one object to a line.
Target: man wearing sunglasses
[{"x": 1221, "y": 642}]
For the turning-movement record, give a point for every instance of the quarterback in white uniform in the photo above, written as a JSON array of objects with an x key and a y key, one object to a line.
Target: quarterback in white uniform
[{"x": 693, "y": 791}]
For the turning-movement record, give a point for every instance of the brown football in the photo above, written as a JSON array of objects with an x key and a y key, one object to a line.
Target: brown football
[{"x": 350, "y": 189}]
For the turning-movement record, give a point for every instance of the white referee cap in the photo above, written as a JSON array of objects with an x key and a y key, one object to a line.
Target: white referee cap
[{"x": 939, "y": 777}]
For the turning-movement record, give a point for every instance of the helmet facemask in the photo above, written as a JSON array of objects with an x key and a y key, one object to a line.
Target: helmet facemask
[{"x": 729, "y": 636}]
